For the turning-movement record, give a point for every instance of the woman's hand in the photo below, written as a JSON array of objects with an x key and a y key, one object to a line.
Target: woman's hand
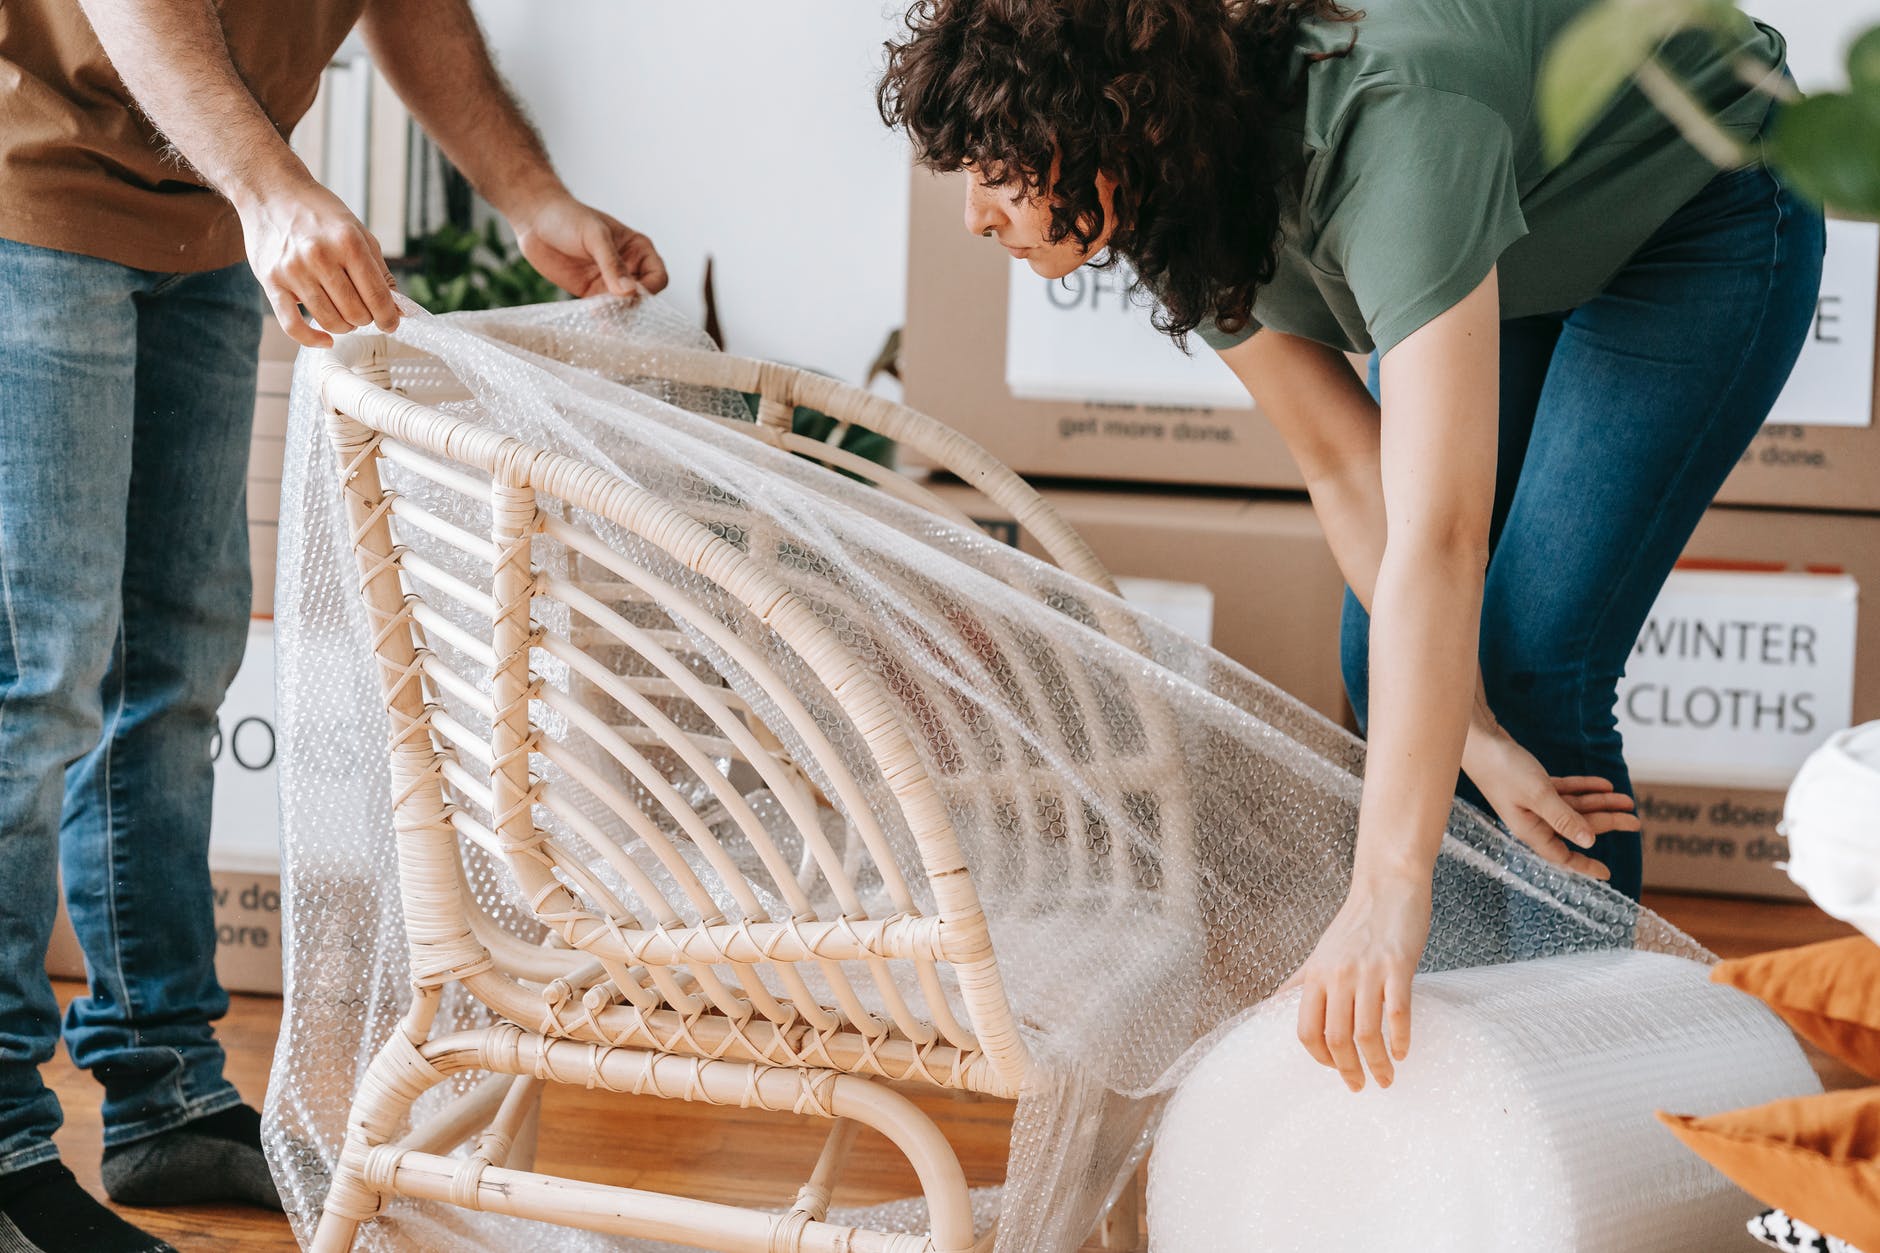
[
  {"x": 587, "y": 253},
  {"x": 1556, "y": 817},
  {"x": 1355, "y": 1011}
]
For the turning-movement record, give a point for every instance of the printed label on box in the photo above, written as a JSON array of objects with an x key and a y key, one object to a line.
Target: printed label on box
[
  {"x": 1083, "y": 338},
  {"x": 1832, "y": 383},
  {"x": 245, "y": 833},
  {"x": 1188, "y": 607},
  {"x": 1738, "y": 676}
]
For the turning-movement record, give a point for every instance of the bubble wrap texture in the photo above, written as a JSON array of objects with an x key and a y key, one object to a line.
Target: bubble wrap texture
[
  {"x": 1522, "y": 1119},
  {"x": 1158, "y": 836}
]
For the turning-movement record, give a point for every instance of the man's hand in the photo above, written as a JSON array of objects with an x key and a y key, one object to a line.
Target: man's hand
[
  {"x": 587, "y": 253},
  {"x": 1556, "y": 817},
  {"x": 308, "y": 249}
]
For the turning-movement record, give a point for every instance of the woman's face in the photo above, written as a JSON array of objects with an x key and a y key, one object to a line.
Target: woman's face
[{"x": 1022, "y": 223}]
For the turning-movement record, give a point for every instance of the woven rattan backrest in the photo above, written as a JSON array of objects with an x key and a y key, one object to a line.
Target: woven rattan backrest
[
  {"x": 570, "y": 703},
  {"x": 782, "y": 389}
]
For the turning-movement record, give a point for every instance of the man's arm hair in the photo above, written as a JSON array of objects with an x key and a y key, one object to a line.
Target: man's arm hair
[
  {"x": 434, "y": 55},
  {"x": 174, "y": 59}
]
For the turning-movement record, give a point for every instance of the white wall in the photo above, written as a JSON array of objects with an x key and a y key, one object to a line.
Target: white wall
[
  {"x": 1819, "y": 33},
  {"x": 742, "y": 129}
]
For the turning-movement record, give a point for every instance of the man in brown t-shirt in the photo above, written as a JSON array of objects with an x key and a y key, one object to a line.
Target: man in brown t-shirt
[{"x": 142, "y": 154}]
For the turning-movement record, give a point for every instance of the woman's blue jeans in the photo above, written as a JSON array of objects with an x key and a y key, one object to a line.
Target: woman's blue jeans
[
  {"x": 125, "y": 403},
  {"x": 1620, "y": 420}
]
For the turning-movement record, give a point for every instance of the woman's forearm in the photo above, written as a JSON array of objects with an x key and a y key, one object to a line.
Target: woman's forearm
[
  {"x": 174, "y": 59},
  {"x": 1425, "y": 619}
]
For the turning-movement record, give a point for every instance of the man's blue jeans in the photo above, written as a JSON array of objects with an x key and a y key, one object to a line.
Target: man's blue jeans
[
  {"x": 125, "y": 403},
  {"x": 1619, "y": 421}
]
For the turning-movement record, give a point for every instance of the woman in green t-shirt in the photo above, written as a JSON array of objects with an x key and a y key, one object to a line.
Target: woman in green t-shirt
[{"x": 1565, "y": 360}]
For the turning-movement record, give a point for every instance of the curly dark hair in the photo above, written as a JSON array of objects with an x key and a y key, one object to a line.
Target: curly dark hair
[{"x": 1175, "y": 99}]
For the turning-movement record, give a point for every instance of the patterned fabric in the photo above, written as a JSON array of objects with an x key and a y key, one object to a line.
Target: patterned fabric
[{"x": 1779, "y": 1231}]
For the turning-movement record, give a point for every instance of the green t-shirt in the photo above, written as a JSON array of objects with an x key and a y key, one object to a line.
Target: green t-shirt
[{"x": 1422, "y": 168}]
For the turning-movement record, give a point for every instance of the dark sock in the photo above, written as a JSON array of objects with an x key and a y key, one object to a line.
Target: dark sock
[
  {"x": 43, "y": 1210},
  {"x": 216, "y": 1157}
]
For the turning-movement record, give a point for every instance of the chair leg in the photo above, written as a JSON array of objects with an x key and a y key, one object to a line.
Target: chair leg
[
  {"x": 334, "y": 1234},
  {"x": 1121, "y": 1228},
  {"x": 397, "y": 1077},
  {"x": 522, "y": 1156}
]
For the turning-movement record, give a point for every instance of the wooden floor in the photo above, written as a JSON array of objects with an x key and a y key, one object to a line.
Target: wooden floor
[{"x": 734, "y": 1155}]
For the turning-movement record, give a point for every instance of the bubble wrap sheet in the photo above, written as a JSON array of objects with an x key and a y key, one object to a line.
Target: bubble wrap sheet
[
  {"x": 1521, "y": 1120},
  {"x": 1158, "y": 836}
]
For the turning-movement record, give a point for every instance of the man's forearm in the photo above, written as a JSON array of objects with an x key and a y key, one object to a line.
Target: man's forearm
[
  {"x": 174, "y": 58},
  {"x": 435, "y": 57}
]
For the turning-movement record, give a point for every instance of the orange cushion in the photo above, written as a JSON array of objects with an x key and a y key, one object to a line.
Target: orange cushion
[
  {"x": 1818, "y": 1157},
  {"x": 1830, "y": 994}
]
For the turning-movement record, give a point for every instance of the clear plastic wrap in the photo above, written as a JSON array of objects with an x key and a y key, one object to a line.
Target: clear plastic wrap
[{"x": 1157, "y": 835}]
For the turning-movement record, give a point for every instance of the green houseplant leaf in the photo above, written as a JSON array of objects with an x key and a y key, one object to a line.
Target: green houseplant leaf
[
  {"x": 1828, "y": 148},
  {"x": 1599, "y": 53}
]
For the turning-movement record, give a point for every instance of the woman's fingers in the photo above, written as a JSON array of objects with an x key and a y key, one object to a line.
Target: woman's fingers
[
  {"x": 1340, "y": 1036},
  {"x": 1397, "y": 1012},
  {"x": 1312, "y": 1023},
  {"x": 1563, "y": 818},
  {"x": 1368, "y": 1029},
  {"x": 1575, "y": 784},
  {"x": 1558, "y": 851},
  {"x": 1600, "y": 802},
  {"x": 1602, "y": 823}
]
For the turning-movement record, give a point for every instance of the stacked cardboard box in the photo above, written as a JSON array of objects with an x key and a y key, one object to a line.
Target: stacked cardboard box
[
  {"x": 1742, "y": 669},
  {"x": 1240, "y": 548}
]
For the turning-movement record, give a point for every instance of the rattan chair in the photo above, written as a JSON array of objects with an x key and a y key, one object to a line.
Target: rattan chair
[{"x": 643, "y": 1001}]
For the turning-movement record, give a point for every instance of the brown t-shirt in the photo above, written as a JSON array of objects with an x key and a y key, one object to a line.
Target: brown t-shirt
[{"x": 82, "y": 170}]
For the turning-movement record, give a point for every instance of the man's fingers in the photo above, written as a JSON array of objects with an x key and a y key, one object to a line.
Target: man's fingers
[
  {"x": 347, "y": 300},
  {"x": 288, "y": 315},
  {"x": 645, "y": 262},
  {"x": 1368, "y": 1029},
  {"x": 320, "y": 306},
  {"x": 598, "y": 239},
  {"x": 1397, "y": 1013},
  {"x": 374, "y": 285}
]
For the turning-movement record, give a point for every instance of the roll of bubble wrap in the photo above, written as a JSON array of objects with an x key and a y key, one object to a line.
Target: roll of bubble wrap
[{"x": 1522, "y": 1120}]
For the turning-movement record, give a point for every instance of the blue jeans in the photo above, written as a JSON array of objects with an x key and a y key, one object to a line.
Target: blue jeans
[
  {"x": 1620, "y": 419},
  {"x": 125, "y": 403}
]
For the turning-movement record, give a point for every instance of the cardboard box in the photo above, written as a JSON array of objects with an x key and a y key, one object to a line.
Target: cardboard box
[
  {"x": 1781, "y": 680},
  {"x": 248, "y": 954},
  {"x": 1277, "y": 591},
  {"x": 1821, "y": 447},
  {"x": 244, "y": 838},
  {"x": 266, "y": 451},
  {"x": 1066, "y": 381},
  {"x": 954, "y": 363}
]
